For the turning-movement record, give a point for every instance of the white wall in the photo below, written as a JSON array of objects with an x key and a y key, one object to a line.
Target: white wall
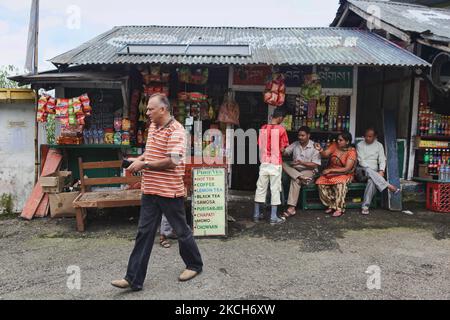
[{"x": 17, "y": 151}]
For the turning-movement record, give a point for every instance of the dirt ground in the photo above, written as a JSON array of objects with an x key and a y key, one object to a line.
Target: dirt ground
[{"x": 312, "y": 256}]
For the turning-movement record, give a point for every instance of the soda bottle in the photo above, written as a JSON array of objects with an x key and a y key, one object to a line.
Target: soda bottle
[{"x": 426, "y": 157}]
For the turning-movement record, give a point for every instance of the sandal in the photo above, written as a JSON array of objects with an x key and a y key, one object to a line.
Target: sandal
[
  {"x": 329, "y": 211},
  {"x": 338, "y": 214},
  {"x": 365, "y": 211},
  {"x": 165, "y": 243},
  {"x": 288, "y": 214}
]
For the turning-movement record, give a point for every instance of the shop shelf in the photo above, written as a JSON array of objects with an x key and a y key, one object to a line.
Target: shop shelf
[
  {"x": 441, "y": 138},
  {"x": 91, "y": 146},
  {"x": 319, "y": 132}
]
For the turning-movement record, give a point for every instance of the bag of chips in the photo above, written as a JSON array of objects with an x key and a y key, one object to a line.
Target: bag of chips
[
  {"x": 86, "y": 102},
  {"x": 41, "y": 116},
  {"x": 77, "y": 106},
  {"x": 62, "y": 108},
  {"x": 42, "y": 103},
  {"x": 81, "y": 119},
  {"x": 51, "y": 105},
  {"x": 72, "y": 120}
]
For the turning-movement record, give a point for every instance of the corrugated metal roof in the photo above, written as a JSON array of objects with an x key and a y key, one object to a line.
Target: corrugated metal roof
[
  {"x": 269, "y": 46},
  {"x": 432, "y": 23}
]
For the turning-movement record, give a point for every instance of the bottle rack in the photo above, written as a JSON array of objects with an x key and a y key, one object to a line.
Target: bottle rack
[{"x": 433, "y": 143}]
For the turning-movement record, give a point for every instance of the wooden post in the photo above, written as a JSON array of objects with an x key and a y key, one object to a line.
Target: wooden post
[
  {"x": 414, "y": 120},
  {"x": 36, "y": 140},
  {"x": 229, "y": 144},
  {"x": 354, "y": 102},
  {"x": 80, "y": 219}
]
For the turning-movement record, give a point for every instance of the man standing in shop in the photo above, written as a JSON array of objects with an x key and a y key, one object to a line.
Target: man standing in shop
[
  {"x": 306, "y": 161},
  {"x": 372, "y": 168},
  {"x": 163, "y": 166},
  {"x": 273, "y": 141}
]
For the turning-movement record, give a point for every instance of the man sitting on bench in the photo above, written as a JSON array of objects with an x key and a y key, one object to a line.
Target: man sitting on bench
[
  {"x": 372, "y": 168},
  {"x": 306, "y": 161}
]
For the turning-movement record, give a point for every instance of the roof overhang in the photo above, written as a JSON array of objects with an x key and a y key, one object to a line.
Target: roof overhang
[{"x": 87, "y": 79}]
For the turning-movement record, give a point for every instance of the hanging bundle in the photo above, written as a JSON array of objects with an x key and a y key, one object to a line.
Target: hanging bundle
[
  {"x": 275, "y": 93},
  {"x": 229, "y": 111}
]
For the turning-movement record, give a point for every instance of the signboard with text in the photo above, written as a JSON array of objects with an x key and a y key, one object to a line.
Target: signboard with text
[
  {"x": 209, "y": 202},
  {"x": 251, "y": 75},
  {"x": 336, "y": 77}
]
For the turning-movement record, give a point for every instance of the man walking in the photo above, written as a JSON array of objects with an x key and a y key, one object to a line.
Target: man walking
[
  {"x": 163, "y": 166},
  {"x": 273, "y": 141},
  {"x": 372, "y": 166},
  {"x": 306, "y": 161}
]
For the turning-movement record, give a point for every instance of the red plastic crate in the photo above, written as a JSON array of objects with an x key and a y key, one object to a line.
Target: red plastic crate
[{"x": 438, "y": 197}]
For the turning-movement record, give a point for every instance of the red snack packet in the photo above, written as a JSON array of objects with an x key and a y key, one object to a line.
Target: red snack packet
[
  {"x": 51, "y": 105},
  {"x": 81, "y": 119},
  {"x": 41, "y": 116},
  {"x": 77, "y": 106},
  {"x": 62, "y": 108},
  {"x": 42, "y": 103},
  {"x": 86, "y": 102}
]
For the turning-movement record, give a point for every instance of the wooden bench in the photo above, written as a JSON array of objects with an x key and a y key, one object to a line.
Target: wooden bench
[
  {"x": 102, "y": 200},
  {"x": 310, "y": 197}
]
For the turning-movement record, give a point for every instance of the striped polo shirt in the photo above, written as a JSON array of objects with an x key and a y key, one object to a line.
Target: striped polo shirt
[{"x": 162, "y": 143}]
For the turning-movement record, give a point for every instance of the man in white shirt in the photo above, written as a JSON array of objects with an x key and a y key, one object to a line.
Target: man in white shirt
[
  {"x": 372, "y": 165},
  {"x": 306, "y": 161}
]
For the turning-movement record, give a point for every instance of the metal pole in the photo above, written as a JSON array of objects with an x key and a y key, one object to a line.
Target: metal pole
[{"x": 36, "y": 46}]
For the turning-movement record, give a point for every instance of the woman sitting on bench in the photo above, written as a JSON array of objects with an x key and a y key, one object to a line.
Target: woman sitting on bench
[{"x": 333, "y": 184}]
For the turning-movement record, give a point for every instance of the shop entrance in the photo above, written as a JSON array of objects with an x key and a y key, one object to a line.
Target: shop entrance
[{"x": 254, "y": 114}]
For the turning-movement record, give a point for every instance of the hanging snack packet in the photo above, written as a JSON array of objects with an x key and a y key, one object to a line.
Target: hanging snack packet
[
  {"x": 70, "y": 109},
  {"x": 72, "y": 120},
  {"x": 42, "y": 103},
  {"x": 77, "y": 106},
  {"x": 64, "y": 122},
  {"x": 41, "y": 116},
  {"x": 62, "y": 108},
  {"x": 81, "y": 119},
  {"x": 51, "y": 105},
  {"x": 86, "y": 102}
]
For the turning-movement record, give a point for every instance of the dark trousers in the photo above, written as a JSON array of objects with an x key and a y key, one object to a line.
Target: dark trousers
[{"x": 151, "y": 213}]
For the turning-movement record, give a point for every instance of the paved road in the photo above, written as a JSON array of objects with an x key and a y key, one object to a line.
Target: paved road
[{"x": 310, "y": 257}]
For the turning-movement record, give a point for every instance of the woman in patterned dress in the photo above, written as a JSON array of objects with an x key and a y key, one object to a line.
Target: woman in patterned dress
[{"x": 333, "y": 184}]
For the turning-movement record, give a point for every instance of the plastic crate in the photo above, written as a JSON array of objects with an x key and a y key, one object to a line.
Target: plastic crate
[{"x": 438, "y": 197}]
